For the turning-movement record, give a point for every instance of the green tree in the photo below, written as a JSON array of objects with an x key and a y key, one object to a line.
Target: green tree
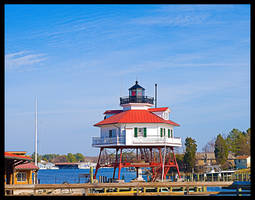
[
  {"x": 79, "y": 157},
  {"x": 39, "y": 157},
  {"x": 239, "y": 142},
  {"x": 221, "y": 150},
  {"x": 60, "y": 159},
  {"x": 189, "y": 158},
  {"x": 71, "y": 158}
]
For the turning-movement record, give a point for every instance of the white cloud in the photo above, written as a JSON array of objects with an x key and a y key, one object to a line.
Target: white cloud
[
  {"x": 23, "y": 59},
  {"x": 179, "y": 20}
]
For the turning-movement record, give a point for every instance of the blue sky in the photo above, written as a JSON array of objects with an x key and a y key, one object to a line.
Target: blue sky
[{"x": 79, "y": 59}]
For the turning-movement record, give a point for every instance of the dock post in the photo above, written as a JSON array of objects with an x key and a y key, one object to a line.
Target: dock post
[
  {"x": 91, "y": 174},
  {"x": 187, "y": 189},
  {"x": 238, "y": 190}
]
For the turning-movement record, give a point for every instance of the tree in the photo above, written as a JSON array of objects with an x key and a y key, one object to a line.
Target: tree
[
  {"x": 60, "y": 159},
  {"x": 221, "y": 150},
  {"x": 209, "y": 147},
  {"x": 239, "y": 142},
  {"x": 71, "y": 158},
  {"x": 39, "y": 157},
  {"x": 190, "y": 154},
  {"x": 79, "y": 157}
]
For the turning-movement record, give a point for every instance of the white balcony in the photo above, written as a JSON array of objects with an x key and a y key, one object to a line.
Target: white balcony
[
  {"x": 160, "y": 141},
  {"x": 137, "y": 141},
  {"x": 98, "y": 141}
]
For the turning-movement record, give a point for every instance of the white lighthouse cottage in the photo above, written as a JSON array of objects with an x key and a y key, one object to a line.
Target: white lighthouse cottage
[{"x": 143, "y": 128}]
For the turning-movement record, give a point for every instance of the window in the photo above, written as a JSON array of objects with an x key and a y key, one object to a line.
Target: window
[
  {"x": 141, "y": 132},
  {"x": 110, "y": 133},
  {"x": 161, "y": 132},
  {"x": 139, "y": 92},
  {"x": 164, "y": 132},
  {"x": 21, "y": 176},
  {"x": 135, "y": 132},
  {"x": 144, "y": 132},
  {"x": 169, "y": 133}
]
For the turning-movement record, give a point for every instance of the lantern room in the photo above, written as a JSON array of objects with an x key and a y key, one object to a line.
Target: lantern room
[
  {"x": 136, "y": 95},
  {"x": 136, "y": 90}
]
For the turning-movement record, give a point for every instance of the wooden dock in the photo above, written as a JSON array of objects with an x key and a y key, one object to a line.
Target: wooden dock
[{"x": 123, "y": 189}]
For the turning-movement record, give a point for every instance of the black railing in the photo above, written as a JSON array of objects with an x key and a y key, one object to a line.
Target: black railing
[{"x": 143, "y": 99}]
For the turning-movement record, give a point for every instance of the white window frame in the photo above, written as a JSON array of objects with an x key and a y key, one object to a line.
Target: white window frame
[{"x": 21, "y": 176}]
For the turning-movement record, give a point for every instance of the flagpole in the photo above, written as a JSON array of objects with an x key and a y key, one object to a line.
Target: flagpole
[{"x": 35, "y": 175}]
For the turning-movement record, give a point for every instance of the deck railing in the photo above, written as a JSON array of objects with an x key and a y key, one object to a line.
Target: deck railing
[
  {"x": 157, "y": 140},
  {"x": 107, "y": 141},
  {"x": 176, "y": 141},
  {"x": 136, "y": 99}
]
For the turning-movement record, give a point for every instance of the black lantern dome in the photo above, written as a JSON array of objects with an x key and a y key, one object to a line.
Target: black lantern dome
[
  {"x": 136, "y": 90},
  {"x": 136, "y": 95}
]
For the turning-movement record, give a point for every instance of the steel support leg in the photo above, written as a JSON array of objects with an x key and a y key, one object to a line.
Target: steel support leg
[
  {"x": 98, "y": 164},
  {"x": 115, "y": 164},
  {"x": 176, "y": 164},
  {"x": 120, "y": 164}
]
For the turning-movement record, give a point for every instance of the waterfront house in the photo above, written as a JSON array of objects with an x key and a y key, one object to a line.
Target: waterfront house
[
  {"x": 243, "y": 162},
  {"x": 204, "y": 159},
  {"x": 18, "y": 169},
  {"x": 24, "y": 173}
]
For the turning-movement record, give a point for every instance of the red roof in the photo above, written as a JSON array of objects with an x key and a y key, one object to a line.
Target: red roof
[
  {"x": 113, "y": 111},
  {"x": 157, "y": 109},
  {"x": 242, "y": 157},
  {"x": 135, "y": 116},
  {"x": 171, "y": 122},
  {"x": 14, "y": 156},
  {"x": 27, "y": 166}
]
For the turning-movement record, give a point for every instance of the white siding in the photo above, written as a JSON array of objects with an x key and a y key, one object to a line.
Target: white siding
[
  {"x": 163, "y": 114},
  {"x": 126, "y": 135}
]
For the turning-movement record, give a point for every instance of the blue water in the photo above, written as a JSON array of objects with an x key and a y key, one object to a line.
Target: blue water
[{"x": 51, "y": 176}]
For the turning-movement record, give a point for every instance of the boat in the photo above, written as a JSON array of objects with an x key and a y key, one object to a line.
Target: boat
[
  {"x": 218, "y": 173},
  {"x": 48, "y": 165},
  {"x": 86, "y": 165}
]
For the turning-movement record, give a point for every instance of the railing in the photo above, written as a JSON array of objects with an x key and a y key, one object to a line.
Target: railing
[
  {"x": 157, "y": 140},
  {"x": 107, "y": 141},
  {"x": 136, "y": 99},
  {"x": 123, "y": 189},
  {"x": 176, "y": 141}
]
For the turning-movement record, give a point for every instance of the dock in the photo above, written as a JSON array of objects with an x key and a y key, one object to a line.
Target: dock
[{"x": 125, "y": 189}]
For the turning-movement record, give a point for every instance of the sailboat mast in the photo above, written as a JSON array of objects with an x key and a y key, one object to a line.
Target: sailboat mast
[{"x": 36, "y": 131}]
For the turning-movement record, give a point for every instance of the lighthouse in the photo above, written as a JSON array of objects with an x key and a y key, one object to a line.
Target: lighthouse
[{"x": 137, "y": 136}]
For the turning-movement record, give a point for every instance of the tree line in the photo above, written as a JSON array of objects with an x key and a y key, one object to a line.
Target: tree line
[
  {"x": 57, "y": 158},
  {"x": 236, "y": 142}
]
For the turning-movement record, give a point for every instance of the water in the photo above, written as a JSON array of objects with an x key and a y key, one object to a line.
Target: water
[{"x": 50, "y": 176}]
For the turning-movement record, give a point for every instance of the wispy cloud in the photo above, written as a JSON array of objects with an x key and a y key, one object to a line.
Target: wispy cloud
[
  {"x": 180, "y": 20},
  {"x": 22, "y": 59}
]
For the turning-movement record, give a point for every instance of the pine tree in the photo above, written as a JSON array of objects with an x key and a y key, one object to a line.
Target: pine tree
[
  {"x": 221, "y": 150},
  {"x": 189, "y": 158}
]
